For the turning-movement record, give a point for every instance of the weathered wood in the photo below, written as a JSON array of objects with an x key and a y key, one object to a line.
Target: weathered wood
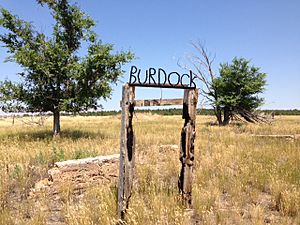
[
  {"x": 187, "y": 145},
  {"x": 287, "y": 136},
  {"x": 158, "y": 102},
  {"x": 127, "y": 145},
  {"x": 127, "y": 151},
  {"x": 90, "y": 160}
]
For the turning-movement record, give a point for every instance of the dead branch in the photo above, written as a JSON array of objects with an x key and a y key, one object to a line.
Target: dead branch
[
  {"x": 253, "y": 117},
  {"x": 202, "y": 64}
]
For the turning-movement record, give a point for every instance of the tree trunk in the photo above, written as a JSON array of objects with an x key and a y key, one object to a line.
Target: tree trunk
[
  {"x": 56, "y": 123},
  {"x": 13, "y": 121},
  {"x": 218, "y": 114},
  {"x": 226, "y": 116}
]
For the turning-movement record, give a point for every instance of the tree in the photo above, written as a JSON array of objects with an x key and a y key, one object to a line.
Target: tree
[
  {"x": 238, "y": 87},
  {"x": 234, "y": 92},
  {"x": 55, "y": 78}
]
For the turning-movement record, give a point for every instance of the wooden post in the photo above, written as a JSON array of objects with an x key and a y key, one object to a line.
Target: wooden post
[
  {"x": 127, "y": 151},
  {"x": 187, "y": 145}
]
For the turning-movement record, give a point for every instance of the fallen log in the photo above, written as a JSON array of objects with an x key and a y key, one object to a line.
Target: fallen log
[
  {"x": 286, "y": 136},
  {"x": 90, "y": 160}
]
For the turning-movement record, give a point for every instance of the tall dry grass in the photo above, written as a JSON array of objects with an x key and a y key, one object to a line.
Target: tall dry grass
[{"x": 238, "y": 179}]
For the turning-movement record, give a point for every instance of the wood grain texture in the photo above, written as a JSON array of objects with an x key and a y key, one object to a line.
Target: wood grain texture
[
  {"x": 127, "y": 151},
  {"x": 187, "y": 146},
  {"x": 158, "y": 102}
]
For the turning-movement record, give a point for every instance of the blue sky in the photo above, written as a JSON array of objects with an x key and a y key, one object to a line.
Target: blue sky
[{"x": 159, "y": 33}]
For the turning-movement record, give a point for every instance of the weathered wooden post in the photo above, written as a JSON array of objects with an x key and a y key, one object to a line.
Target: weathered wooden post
[
  {"x": 127, "y": 142},
  {"x": 187, "y": 145},
  {"x": 127, "y": 151}
]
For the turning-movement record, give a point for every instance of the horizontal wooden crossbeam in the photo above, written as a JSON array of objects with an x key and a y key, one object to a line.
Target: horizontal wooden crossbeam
[
  {"x": 158, "y": 102},
  {"x": 176, "y": 86}
]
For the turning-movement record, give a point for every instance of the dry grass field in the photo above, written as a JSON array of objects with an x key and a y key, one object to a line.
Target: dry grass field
[{"x": 238, "y": 178}]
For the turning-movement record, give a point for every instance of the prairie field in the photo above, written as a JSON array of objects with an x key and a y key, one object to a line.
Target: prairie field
[{"x": 239, "y": 178}]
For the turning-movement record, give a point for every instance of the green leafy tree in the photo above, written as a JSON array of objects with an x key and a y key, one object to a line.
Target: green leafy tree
[
  {"x": 55, "y": 77},
  {"x": 234, "y": 92},
  {"x": 238, "y": 88}
]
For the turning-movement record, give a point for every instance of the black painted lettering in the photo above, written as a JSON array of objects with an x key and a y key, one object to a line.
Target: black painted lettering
[
  {"x": 192, "y": 83},
  {"x": 181, "y": 80},
  {"x": 133, "y": 70},
  {"x": 139, "y": 79},
  {"x": 160, "y": 70},
  {"x": 152, "y": 72},
  {"x": 148, "y": 78},
  {"x": 178, "y": 78}
]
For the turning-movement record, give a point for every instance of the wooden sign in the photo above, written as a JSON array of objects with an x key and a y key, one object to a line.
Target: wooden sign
[{"x": 160, "y": 78}]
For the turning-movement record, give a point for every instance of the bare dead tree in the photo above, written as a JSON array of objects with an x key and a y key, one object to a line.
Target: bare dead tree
[{"x": 202, "y": 64}]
